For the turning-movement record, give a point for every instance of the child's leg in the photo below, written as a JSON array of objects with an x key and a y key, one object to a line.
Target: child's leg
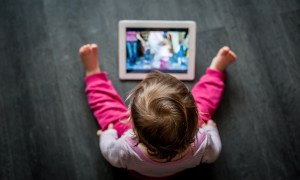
[
  {"x": 208, "y": 91},
  {"x": 105, "y": 103}
]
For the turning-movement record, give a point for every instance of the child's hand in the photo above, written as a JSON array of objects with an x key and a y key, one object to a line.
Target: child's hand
[
  {"x": 209, "y": 122},
  {"x": 223, "y": 59},
  {"x": 110, "y": 126},
  {"x": 89, "y": 57}
]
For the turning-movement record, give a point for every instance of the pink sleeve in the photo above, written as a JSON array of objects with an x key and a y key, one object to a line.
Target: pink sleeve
[
  {"x": 105, "y": 102},
  {"x": 208, "y": 93}
]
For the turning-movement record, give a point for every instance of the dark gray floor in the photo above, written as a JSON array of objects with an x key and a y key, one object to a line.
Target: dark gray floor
[{"x": 48, "y": 132}]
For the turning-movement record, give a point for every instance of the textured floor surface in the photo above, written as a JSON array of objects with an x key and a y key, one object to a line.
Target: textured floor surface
[{"x": 48, "y": 132}]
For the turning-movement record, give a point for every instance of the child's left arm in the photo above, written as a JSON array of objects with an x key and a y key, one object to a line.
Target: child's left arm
[
  {"x": 113, "y": 148},
  {"x": 213, "y": 142}
]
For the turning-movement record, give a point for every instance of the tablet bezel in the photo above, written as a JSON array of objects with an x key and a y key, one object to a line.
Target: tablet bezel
[{"x": 124, "y": 24}]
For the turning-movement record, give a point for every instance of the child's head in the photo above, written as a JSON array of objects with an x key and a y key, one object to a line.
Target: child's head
[{"x": 164, "y": 115}]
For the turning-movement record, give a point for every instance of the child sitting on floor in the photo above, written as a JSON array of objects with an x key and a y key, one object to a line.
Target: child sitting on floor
[{"x": 167, "y": 128}]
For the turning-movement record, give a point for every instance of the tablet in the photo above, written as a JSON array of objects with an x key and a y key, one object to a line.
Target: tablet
[{"x": 168, "y": 46}]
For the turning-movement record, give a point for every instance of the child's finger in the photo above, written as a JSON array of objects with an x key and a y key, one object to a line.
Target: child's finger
[
  {"x": 202, "y": 125},
  {"x": 99, "y": 132},
  {"x": 211, "y": 122},
  {"x": 110, "y": 126}
]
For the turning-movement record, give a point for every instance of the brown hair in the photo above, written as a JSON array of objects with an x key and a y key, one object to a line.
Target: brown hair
[{"x": 164, "y": 115}]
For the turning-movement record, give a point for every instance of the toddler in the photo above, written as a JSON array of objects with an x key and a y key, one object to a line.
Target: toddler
[{"x": 167, "y": 128}]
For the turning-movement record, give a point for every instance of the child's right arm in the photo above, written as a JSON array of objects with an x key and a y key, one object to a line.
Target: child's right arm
[{"x": 104, "y": 101}]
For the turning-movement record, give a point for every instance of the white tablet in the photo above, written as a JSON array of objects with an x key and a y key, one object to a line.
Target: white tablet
[{"x": 168, "y": 46}]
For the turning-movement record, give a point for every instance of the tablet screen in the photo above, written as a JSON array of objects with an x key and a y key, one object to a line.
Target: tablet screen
[{"x": 165, "y": 49}]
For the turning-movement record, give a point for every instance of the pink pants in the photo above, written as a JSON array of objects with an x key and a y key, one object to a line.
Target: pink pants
[{"x": 108, "y": 107}]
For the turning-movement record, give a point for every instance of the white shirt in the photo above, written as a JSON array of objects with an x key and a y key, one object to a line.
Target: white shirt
[{"x": 123, "y": 153}]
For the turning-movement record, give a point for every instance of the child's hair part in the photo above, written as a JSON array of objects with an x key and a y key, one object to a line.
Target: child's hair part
[{"x": 164, "y": 115}]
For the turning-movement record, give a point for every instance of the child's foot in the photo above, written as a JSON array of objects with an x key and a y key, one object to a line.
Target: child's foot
[
  {"x": 223, "y": 59},
  {"x": 89, "y": 57}
]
